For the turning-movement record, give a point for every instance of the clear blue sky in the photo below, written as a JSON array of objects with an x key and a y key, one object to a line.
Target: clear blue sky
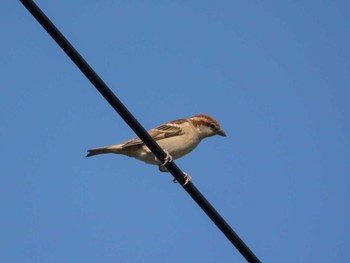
[{"x": 276, "y": 76}]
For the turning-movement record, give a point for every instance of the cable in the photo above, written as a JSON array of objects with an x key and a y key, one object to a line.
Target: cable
[{"x": 138, "y": 129}]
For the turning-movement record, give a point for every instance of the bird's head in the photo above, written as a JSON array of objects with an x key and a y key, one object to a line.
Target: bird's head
[{"x": 206, "y": 126}]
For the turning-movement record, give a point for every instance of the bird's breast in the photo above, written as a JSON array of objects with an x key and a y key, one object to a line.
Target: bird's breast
[{"x": 178, "y": 146}]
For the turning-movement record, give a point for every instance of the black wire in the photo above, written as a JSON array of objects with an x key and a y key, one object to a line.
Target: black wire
[{"x": 138, "y": 129}]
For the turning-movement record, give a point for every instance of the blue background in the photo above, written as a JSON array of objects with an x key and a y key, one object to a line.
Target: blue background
[{"x": 276, "y": 76}]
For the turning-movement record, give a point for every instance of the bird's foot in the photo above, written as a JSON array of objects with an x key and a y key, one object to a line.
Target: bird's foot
[
  {"x": 187, "y": 179},
  {"x": 168, "y": 158}
]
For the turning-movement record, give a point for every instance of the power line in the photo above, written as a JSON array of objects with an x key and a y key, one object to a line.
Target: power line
[{"x": 101, "y": 86}]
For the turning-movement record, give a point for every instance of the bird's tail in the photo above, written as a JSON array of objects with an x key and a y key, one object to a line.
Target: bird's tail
[{"x": 102, "y": 150}]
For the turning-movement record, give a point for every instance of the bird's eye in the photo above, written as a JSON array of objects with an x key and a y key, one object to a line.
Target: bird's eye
[{"x": 212, "y": 126}]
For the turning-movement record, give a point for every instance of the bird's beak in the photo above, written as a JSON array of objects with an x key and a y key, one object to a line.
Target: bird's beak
[{"x": 220, "y": 132}]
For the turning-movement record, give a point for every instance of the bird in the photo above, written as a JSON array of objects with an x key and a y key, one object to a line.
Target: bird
[{"x": 177, "y": 138}]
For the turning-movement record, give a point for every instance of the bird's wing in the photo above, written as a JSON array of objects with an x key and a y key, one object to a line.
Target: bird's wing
[{"x": 163, "y": 131}]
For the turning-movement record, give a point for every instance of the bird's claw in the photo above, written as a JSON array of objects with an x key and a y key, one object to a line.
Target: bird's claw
[
  {"x": 168, "y": 158},
  {"x": 187, "y": 179}
]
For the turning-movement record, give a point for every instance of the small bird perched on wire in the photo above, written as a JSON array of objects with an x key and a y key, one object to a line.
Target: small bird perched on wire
[{"x": 177, "y": 138}]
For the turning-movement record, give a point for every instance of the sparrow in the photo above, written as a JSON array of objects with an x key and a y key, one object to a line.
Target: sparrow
[{"x": 177, "y": 138}]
